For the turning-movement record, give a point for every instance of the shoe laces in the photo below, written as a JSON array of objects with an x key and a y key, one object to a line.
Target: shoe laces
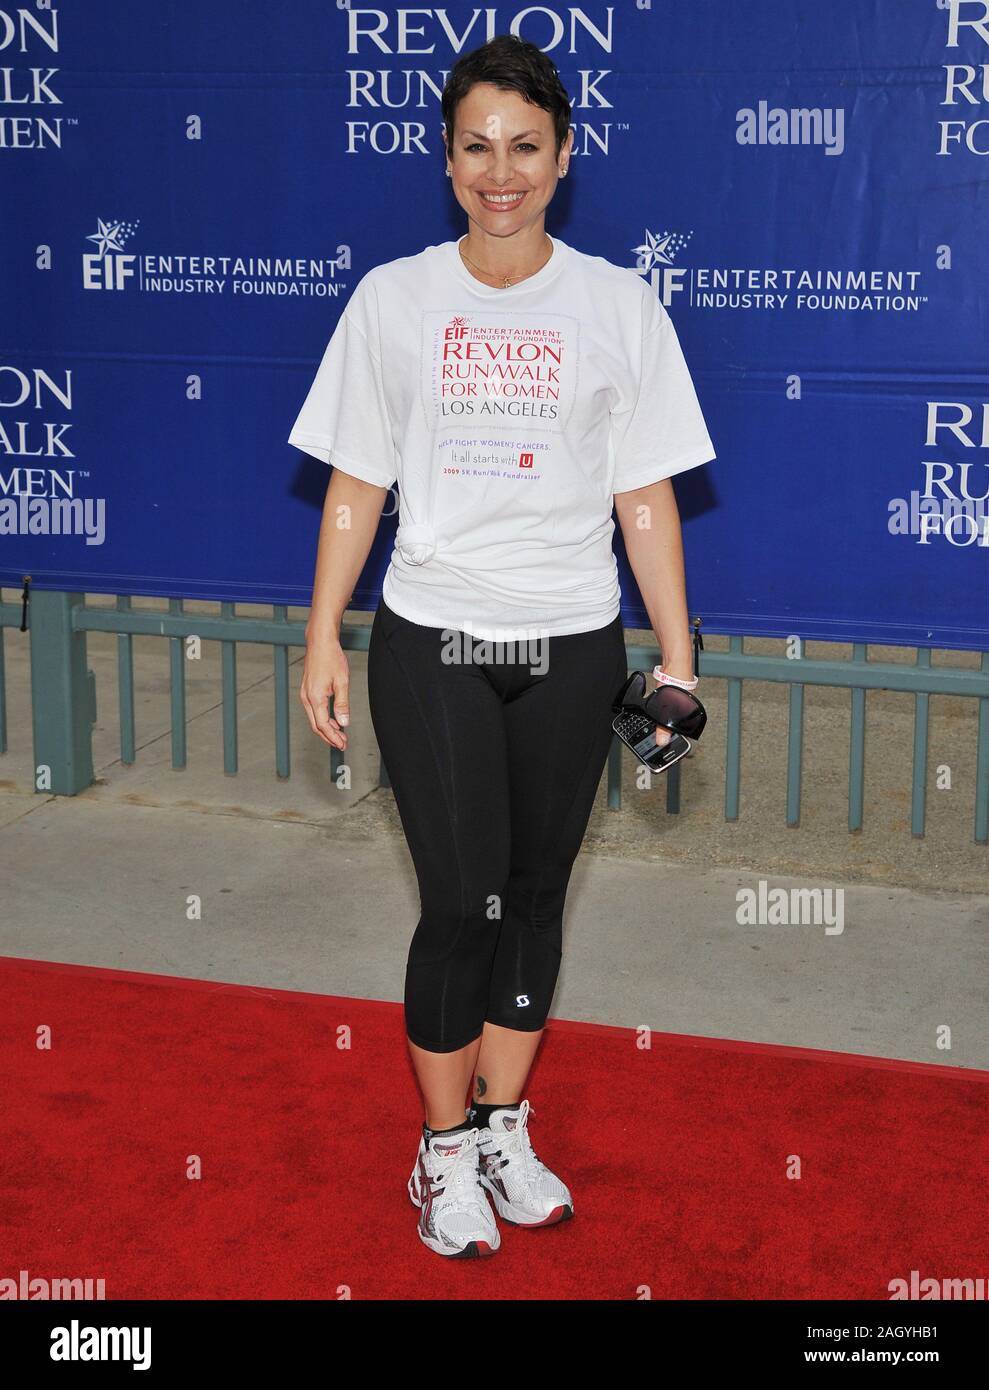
[
  {"x": 458, "y": 1180},
  {"x": 515, "y": 1143}
]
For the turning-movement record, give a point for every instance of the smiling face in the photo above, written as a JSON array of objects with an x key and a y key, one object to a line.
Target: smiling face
[{"x": 503, "y": 159}]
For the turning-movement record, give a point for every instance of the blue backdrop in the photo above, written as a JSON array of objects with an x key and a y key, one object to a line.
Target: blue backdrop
[{"x": 191, "y": 192}]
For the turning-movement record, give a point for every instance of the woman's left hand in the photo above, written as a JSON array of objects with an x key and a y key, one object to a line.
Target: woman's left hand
[{"x": 683, "y": 671}]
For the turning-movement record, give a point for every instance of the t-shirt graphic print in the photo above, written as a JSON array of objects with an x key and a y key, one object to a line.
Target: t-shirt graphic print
[
  {"x": 498, "y": 389},
  {"x": 500, "y": 367},
  {"x": 508, "y": 421}
]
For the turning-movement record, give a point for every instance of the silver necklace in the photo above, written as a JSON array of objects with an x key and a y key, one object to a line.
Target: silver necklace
[{"x": 508, "y": 282}]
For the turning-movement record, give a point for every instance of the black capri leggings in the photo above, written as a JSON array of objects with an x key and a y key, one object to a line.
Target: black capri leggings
[{"x": 494, "y": 766}]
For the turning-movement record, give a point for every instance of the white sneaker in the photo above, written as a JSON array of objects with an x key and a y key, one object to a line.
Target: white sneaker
[
  {"x": 525, "y": 1192},
  {"x": 455, "y": 1218}
]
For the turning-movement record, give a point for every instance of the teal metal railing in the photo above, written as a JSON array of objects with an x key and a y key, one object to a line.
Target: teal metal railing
[{"x": 64, "y": 696}]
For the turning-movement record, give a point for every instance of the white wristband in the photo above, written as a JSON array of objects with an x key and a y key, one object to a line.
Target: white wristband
[{"x": 660, "y": 676}]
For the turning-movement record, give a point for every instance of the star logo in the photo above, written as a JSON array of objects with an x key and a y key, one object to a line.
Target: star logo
[
  {"x": 659, "y": 250},
  {"x": 111, "y": 235}
]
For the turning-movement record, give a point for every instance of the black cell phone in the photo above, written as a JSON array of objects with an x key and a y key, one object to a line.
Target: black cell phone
[{"x": 638, "y": 732}]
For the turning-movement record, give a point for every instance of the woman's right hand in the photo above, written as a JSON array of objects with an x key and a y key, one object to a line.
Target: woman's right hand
[{"x": 326, "y": 672}]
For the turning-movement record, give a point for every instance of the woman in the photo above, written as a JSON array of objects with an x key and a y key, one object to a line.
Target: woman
[{"x": 516, "y": 389}]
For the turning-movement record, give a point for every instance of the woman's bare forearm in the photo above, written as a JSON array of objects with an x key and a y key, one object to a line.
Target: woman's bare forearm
[
  {"x": 650, "y": 523},
  {"x": 351, "y": 512}
]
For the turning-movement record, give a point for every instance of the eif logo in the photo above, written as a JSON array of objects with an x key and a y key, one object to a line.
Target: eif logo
[
  {"x": 655, "y": 259},
  {"x": 456, "y": 329},
  {"x": 109, "y": 268}
]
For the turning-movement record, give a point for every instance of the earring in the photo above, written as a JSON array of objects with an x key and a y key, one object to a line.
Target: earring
[{"x": 448, "y": 174}]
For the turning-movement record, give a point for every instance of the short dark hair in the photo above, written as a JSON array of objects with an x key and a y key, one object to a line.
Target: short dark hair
[{"x": 514, "y": 65}]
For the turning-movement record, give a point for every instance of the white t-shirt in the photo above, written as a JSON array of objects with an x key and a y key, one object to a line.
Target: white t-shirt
[{"x": 509, "y": 418}]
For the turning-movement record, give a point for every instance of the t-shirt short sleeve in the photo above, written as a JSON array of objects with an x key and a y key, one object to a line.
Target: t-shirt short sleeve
[
  {"x": 344, "y": 419},
  {"x": 661, "y": 431}
]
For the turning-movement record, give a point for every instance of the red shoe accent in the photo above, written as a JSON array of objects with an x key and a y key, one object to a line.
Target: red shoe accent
[{"x": 556, "y": 1215}]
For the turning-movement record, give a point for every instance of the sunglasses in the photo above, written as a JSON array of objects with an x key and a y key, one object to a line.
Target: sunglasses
[{"x": 667, "y": 705}]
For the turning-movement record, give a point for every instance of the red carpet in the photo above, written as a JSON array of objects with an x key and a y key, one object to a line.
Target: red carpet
[{"x": 677, "y": 1156}]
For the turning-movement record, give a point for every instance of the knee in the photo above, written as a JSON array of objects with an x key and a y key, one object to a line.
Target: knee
[
  {"x": 449, "y": 926},
  {"x": 538, "y": 895}
]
